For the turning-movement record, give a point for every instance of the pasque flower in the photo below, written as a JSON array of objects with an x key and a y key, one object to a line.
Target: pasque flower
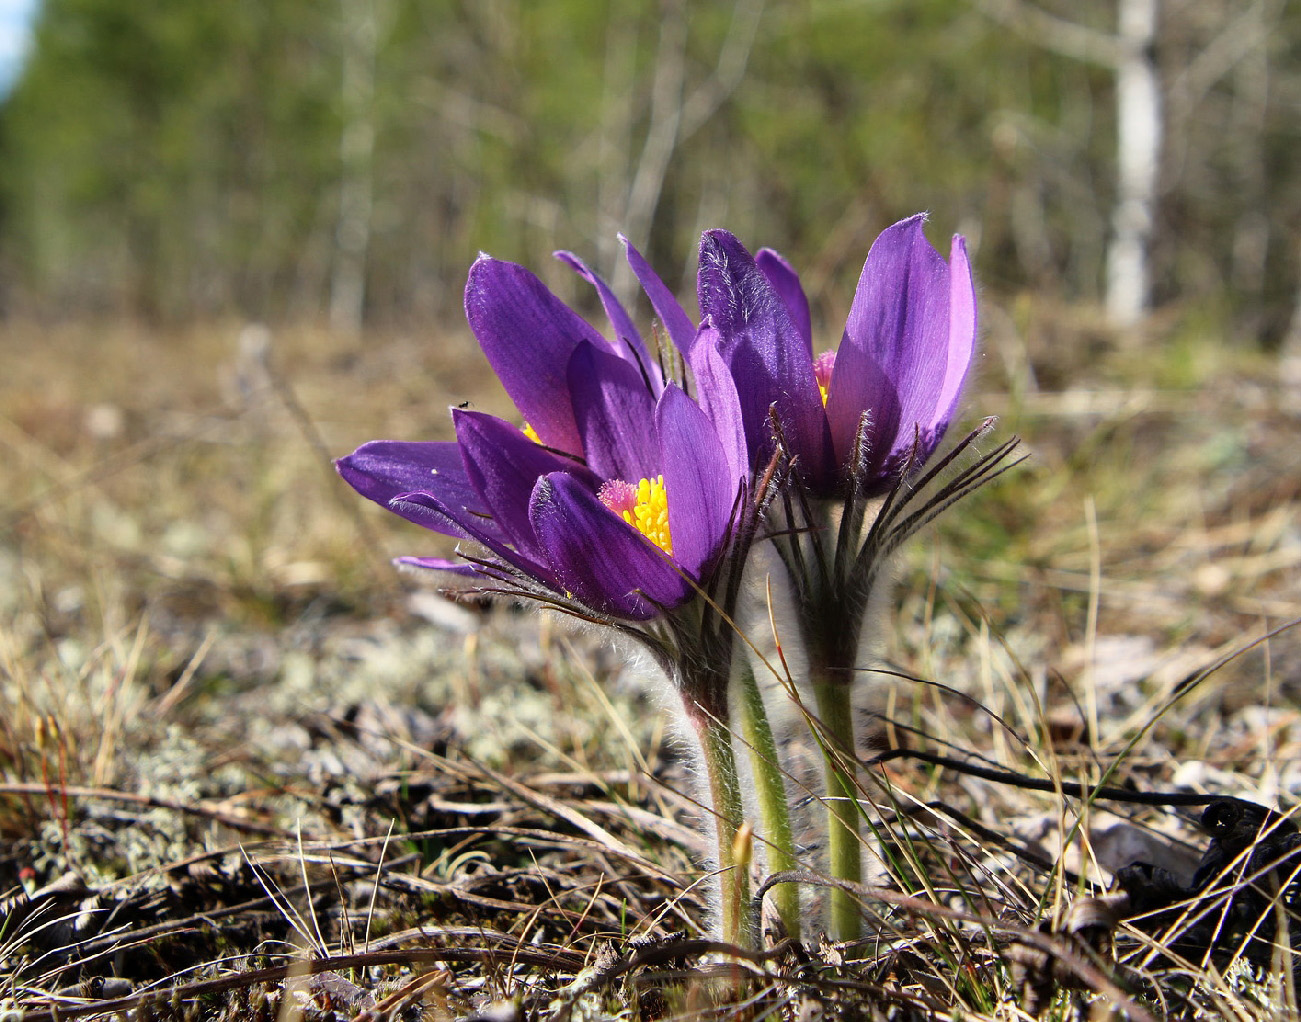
[
  {"x": 622, "y": 499},
  {"x": 558, "y": 506},
  {"x": 884, "y": 399},
  {"x": 855, "y": 428}
]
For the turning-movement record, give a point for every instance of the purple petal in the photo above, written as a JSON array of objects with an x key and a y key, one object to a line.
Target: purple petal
[
  {"x": 615, "y": 415},
  {"x": 897, "y": 343},
  {"x": 628, "y": 342},
  {"x": 761, "y": 346},
  {"x": 528, "y": 334},
  {"x": 383, "y": 469},
  {"x": 786, "y": 282},
  {"x": 599, "y": 558},
  {"x": 716, "y": 392},
  {"x": 678, "y": 324},
  {"x": 427, "y": 510},
  {"x": 700, "y": 485},
  {"x": 503, "y": 465},
  {"x": 962, "y": 334},
  {"x": 859, "y": 384}
]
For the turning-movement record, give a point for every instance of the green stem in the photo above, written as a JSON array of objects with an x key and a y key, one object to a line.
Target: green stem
[
  {"x": 844, "y": 850},
  {"x": 725, "y": 794},
  {"x": 770, "y": 791}
]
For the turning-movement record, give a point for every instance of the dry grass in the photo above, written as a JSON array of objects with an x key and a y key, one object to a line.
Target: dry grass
[{"x": 240, "y": 758}]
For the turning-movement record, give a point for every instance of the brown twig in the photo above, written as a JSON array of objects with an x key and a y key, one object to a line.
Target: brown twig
[
  {"x": 552, "y": 958},
  {"x": 151, "y": 801}
]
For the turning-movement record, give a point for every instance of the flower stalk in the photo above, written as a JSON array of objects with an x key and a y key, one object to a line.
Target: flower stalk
[
  {"x": 728, "y": 808},
  {"x": 832, "y": 697},
  {"x": 770, "y": 791}
]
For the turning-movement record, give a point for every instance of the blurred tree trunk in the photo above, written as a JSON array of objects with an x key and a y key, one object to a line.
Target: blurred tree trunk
[
  {"x": 356, "y": 164},
  {"x": 1130, "y": 55},
  {"x": 1138, "y": 147}
]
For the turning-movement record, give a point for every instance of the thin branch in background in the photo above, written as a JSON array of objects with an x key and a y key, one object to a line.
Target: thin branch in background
[
  {"x": 614, "y": 142},
  {"x": 1245, "y": 34},
  {"x": 255, "y": 354},
  {"x": 673, "y": 118},
  {"x": 662, "y": 131},
  {"x": 1061, "y": 35},
  {"x": 733, "y": 58}
]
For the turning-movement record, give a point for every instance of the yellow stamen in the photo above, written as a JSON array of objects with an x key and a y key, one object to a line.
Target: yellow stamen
[
  {"x": 532, "y": 433},
  {"x": 823, "y": 366},
  {"x": 650, "y": 514}
]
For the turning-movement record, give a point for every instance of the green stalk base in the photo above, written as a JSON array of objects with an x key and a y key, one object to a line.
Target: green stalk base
[
  {"x": 844, "y": 850},
  {"x": 770, "y": 792},
  {"x": 725, "y": 794}
]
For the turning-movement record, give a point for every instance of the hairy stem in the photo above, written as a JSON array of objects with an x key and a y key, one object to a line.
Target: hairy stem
[
  {"x": 844, "y": 850},
  {"x": 725, "y": 794},
  {"x": 770, "y": 793}
]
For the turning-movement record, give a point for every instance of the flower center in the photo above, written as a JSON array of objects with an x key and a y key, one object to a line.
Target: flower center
[
  {"x": 645, "y": 507},
  {"x": 532, "y": 433},
  {"x": 822, "y": 366}
]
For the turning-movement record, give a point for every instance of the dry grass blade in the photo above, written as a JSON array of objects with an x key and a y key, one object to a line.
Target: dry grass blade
[
  {"x": 234, "y": 821},
  {"x": 562, "y": 811}
]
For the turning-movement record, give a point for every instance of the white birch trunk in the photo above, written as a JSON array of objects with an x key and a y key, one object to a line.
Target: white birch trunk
[{"x": 1139, "y": 119}]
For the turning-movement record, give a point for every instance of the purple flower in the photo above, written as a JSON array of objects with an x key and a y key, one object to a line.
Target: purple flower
[
  {"x": 884, "y": 399},
  {"x": 621, "y": 495},
  {"x": 852, "y": 426}
]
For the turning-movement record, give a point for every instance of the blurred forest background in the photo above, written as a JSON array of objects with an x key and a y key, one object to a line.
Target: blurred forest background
[{"x": 342, "y": 161}]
